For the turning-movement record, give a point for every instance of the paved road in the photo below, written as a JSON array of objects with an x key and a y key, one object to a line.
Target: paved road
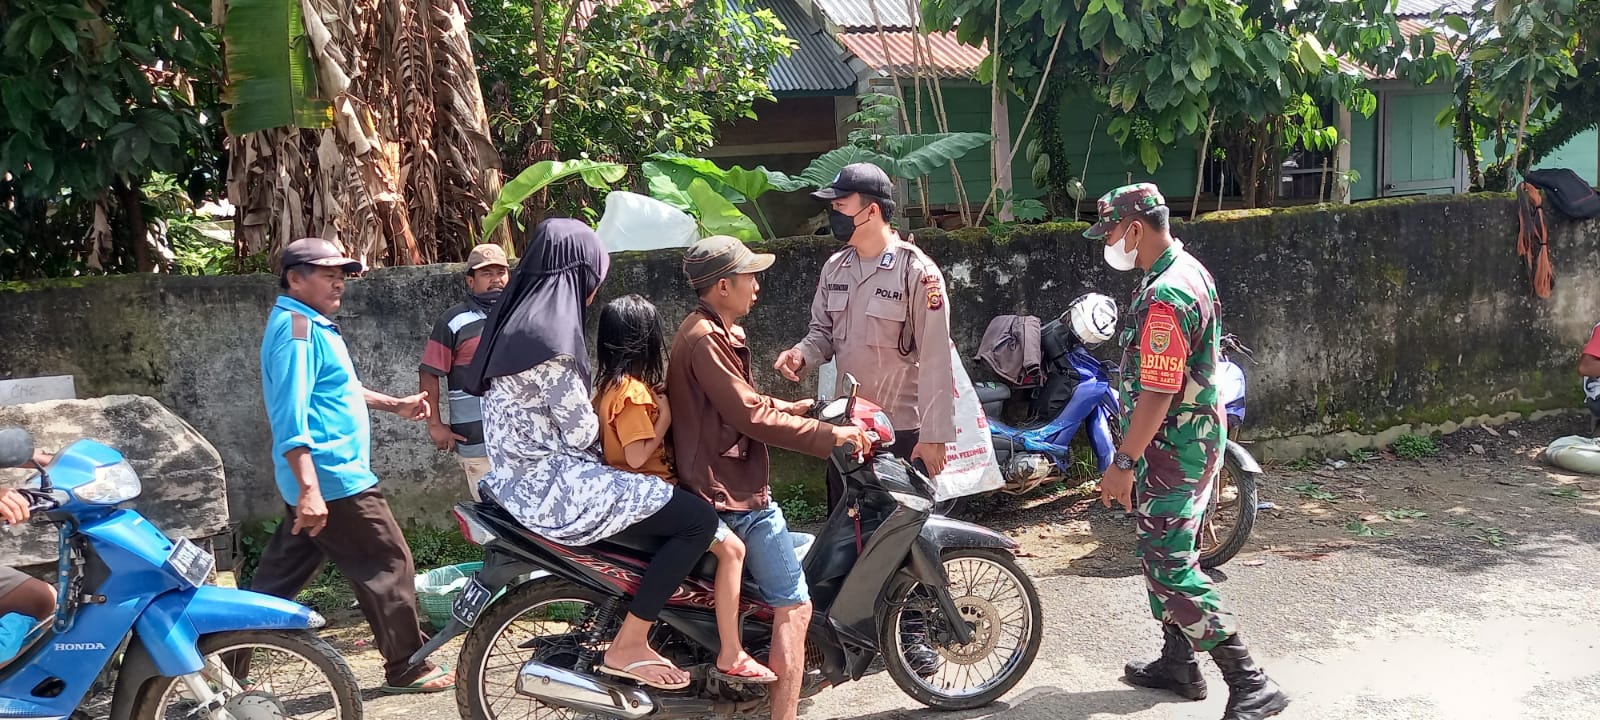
[{"x": 1420, "y": 628}]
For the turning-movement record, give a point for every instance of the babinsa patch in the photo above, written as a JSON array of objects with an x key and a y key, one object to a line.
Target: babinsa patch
[{"x": 1163, "y": 351}]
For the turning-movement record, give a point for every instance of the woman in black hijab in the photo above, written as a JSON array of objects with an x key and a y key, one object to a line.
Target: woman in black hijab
[{"x": 532, "y": 368}]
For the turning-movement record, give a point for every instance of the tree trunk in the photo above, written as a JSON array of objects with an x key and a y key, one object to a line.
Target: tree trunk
[{"x": 134, "y": 227}]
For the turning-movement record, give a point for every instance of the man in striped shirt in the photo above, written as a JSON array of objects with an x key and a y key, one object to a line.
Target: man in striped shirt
[{"x": 448, "y": 353}]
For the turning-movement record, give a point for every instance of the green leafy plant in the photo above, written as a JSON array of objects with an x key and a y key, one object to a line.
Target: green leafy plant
[
  {"x": 1415, "y": 447},
  {"x": 1492, "y": 536},
  {"x": 1361, "y": 529},
  {"x": 1305, "y": 464},
  {"x": 670, "y": 176},
  {"x": 1362, "y": 456},
  {"x": 1566, "y": 493},
  {"x": 621, "y": 79},
  {"x": 540, "y": 175},
  {"x": 1314, "y": 491},
  {"x": 797, "y": 506},
  {"x": 1403, "y": 514}
]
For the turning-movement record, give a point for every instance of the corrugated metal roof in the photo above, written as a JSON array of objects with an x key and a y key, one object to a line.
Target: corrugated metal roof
[
  {"x": 1424, "y": 8},
  {"x": 1409, "y": 28},
  {"x": 943, "y": 53},
  {"x": 856, "y": 14},
  {"x": 818, "y": 63}
]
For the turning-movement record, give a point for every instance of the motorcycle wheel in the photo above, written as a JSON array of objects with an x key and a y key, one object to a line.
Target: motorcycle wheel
[
  {"x": 1230, "y": 516},
  {"x": 507, "y": 636},
  {"x": 307, "y": 656},
  {"x": 981, "y": 580}
]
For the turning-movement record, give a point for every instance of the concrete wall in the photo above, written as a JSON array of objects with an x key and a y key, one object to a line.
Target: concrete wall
[{"x": 1363, "y": 318}]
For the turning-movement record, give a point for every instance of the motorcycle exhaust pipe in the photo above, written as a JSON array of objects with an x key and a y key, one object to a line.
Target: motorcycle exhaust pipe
[{"x": 585, "y": 693}]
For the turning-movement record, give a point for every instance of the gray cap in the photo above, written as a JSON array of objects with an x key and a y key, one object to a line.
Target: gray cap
[
  {"x": 719, "y": 256},
  {"x": 319, "y": 252}
]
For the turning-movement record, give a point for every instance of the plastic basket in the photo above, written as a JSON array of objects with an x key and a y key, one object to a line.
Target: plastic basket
[{"x": 437, "y": 590}]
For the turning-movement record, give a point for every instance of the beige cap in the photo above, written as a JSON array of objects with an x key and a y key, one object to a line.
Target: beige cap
[
  {"x": 719, "y": 256},
  {"x": 486, "y": 255}
]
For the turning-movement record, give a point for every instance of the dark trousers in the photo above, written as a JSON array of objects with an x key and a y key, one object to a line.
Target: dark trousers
[
  {"x": 904, "y": 442},
  {"x": 364, "y": 542},
  {"x": 683, "y": 530}
]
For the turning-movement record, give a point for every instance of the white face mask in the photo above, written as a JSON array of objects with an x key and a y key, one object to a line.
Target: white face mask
[{"x": 1119, "y": 257}]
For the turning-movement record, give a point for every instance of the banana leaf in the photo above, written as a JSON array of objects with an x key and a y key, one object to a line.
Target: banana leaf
[
  {"x": 271, "y": 81},
  {"x": 918, "y": 155},
  {"x": 745, "y": 185},
  {"x": 599, "y": 175},
  {"x": 718, "y": 216}
]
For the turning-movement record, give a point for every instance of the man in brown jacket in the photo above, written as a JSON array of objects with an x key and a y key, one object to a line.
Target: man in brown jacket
[{"x": 721, "y": 429}]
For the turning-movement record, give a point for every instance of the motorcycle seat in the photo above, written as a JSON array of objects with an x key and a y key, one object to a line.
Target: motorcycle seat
[{"x": 991, "y": 393}]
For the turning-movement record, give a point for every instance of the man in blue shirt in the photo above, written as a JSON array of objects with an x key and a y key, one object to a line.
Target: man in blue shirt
[{"x": 321, "y": 439}]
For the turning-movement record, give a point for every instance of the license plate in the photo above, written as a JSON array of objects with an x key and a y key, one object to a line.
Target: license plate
[
  {"x": 470, "y": 602},
  {"x": 191, "y": 563}
]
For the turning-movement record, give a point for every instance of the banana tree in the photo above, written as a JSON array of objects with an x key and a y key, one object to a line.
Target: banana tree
[{"x": 357, "y": 120}]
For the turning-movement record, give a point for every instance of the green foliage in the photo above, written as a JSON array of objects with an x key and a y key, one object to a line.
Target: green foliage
[
  {"x": 92, "y": 103},
  {"x": 1415, "y": 447},
  {"x": 598, "y": 175},
  {"x": 633, "y": 79},
  {"x": 798, "y": 508},
  {"x": 1533, "y": 58},
  {"x": 1167, "y": 65},
  {"x": 671, "y": 176},
  {"x": 271, "y": 81}
]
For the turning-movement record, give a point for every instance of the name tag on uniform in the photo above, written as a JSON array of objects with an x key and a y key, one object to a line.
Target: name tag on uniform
[
  {"x": 837, "y": 287},
  {"x": 888, "y": 294}
]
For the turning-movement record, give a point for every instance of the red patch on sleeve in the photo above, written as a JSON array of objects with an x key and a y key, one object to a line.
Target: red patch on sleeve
[{"x": 1163, "y": 350}]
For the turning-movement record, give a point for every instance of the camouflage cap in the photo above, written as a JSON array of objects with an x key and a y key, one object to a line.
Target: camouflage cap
[{"x": 1119, "y": 204}]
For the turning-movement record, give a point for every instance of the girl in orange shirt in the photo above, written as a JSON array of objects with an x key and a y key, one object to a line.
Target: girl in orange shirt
[{"x": 634, "y": 418}]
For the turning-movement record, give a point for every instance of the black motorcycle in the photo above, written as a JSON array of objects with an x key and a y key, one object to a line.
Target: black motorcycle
[{"x": 941, "y": 605}]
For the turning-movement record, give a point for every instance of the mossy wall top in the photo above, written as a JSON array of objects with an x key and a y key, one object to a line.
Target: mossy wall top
[{"x": 1361, "y": 318}]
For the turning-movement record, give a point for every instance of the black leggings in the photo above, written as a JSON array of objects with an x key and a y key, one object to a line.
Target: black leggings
[{"x": 684, "y": 529}]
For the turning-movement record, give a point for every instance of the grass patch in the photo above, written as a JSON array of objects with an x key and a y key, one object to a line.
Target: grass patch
[
  {"x": 1314, "y": 491},
  {"x": 797, "y": 507},
  {"x": 1415, "y": 447}
]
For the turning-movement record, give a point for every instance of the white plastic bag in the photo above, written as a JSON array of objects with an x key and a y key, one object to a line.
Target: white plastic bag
[
  {"x": 636, "y": 222},
  {"x": 1576, "y": 453},
  {"x": 970, "y": 466}
]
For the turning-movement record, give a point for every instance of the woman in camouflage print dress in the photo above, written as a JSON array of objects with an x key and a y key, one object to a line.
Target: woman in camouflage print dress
[{"x": 540, "y": 430}]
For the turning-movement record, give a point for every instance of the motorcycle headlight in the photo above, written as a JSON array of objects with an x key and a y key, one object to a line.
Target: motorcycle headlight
[
  {"x": 112, "y": 484},
  {"x": 915, "y": 502}
]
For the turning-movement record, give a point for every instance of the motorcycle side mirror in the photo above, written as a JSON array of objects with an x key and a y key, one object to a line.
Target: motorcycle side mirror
[
  {"x": 16, "y": 447},
  {"x": 835, "y": 409}
]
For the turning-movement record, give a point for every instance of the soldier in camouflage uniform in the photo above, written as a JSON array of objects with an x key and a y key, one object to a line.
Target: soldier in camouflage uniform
[{"x": 1173, "y": 431}]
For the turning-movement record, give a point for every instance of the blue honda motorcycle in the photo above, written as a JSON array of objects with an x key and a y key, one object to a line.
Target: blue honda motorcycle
[
  {"x": 1078, "y": 393},
  {"x": 125, "y": 590}
]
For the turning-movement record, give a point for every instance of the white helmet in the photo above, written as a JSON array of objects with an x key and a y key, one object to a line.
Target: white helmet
[{"x": 1092, "y": 317}]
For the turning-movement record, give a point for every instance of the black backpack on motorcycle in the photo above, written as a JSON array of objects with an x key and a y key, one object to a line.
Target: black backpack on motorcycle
[{"x": 1567, "y": 192}]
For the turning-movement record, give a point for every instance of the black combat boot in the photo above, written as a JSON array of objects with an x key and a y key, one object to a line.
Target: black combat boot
[
  {"x": 1251, "y": 694},
  {"x": 1175, "y": 670}
]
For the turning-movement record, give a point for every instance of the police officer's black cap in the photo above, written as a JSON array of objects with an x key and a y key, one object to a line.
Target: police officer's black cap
[
  {"x": 864, "y": 178},
  {"x": 319, "y": 252}
]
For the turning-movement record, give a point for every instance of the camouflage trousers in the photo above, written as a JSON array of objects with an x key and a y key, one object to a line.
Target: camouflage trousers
[{"x": 1170, "y": 505}]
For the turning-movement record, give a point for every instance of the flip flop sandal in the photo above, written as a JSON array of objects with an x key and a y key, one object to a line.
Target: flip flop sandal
[
  {"x": 417, "y": 687},
  {"x": 741, "y": 679},
  {"x": 628, "y": 673}
]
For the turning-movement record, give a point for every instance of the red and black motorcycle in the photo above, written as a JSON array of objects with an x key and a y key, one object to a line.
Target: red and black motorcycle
[{"x": 941, "y": 605}]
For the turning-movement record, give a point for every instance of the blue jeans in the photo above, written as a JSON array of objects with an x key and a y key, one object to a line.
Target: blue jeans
[{"x": 769, "y": 555}]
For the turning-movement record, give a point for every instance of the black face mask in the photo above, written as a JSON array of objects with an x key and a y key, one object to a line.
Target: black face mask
[
  {"x": 487, "y": 299},
  {"x": 841, "y": 225}
]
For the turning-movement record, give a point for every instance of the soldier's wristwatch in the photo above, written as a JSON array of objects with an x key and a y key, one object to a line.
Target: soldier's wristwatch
[{"x": 1122, "y": 461}]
